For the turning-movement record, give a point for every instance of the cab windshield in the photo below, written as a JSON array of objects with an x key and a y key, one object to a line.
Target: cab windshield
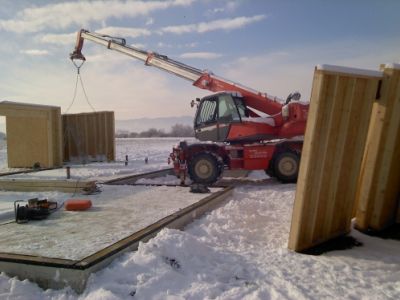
[{"x": 230, "y": 108}]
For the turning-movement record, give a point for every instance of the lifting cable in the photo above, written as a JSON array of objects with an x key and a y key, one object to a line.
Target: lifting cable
[
  {"x": 79, "y": 78},
  {"x": 67, "y": 130}
]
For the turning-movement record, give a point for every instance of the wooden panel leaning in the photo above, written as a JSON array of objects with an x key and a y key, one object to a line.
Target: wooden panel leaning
[
  {"x": 337, "y": 125},
  {"x": 89, "y": 136},
  {"x": 379, "y": 185}
]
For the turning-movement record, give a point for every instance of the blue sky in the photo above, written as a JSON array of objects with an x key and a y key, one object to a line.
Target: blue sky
[{"x": 271, "y": 46}]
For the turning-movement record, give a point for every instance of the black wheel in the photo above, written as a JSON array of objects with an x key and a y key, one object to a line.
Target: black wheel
[
  {"x": 286, "y": 166},
  {"x": 271, "y": 169},
  {"x": 204, "y": 168}
]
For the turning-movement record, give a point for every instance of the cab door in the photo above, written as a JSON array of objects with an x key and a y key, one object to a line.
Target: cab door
[
  {"x": 227, "y": 114},
  {"x": 205, "y": 125}
]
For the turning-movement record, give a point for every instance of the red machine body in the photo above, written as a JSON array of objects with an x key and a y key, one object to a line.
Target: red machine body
[{"x": 240, "y": 121}]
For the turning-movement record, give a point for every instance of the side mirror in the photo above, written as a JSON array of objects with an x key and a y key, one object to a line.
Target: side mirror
[
  {"x": 193, "y": 102},
  {"x": 293, "y": 96}
]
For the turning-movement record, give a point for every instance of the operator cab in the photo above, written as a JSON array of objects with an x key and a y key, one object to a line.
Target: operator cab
[{"x": 215, "y": 113}]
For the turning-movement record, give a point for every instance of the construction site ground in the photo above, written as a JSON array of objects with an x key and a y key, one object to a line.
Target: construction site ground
[
  {"x": 239, "y": 247},
  {"x": 117, "y": 212}
]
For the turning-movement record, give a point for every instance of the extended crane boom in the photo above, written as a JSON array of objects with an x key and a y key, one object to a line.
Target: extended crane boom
[
  {"x": 202, "y": 79},
  {"x": 149, "y": 58}
]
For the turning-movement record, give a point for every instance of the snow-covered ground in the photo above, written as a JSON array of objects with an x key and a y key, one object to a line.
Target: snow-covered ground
[
  {"x": 156, "y": 150},
  {"x": 238, "y": 251}
]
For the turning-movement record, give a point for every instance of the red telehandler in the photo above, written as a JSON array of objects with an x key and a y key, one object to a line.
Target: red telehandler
[{"x": 245, "y": 129}]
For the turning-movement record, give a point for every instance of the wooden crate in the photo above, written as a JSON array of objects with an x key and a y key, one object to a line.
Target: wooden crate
[
  {"x": 337, "y": 126},
  {"x": 379, "y": 185},
  {"x": 89, "y": 136},
  {"x": 33, "y": 134}
]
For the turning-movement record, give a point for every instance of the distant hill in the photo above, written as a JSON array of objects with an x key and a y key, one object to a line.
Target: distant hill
[{"x": 143, "y": 124}]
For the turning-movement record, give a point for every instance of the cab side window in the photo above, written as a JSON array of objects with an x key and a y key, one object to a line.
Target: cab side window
[{"x": 207, "y": 113}]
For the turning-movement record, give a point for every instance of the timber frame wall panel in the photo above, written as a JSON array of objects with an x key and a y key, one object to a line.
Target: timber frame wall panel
[
  {"x": 337, "y": 126},
  {"x": 89, "y": 136},
  {"x": 33, "y": 134},
  {"x": 379, "y": 185}
]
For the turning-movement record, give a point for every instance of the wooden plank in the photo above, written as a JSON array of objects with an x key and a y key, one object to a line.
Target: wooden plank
[
  {"x": 334, "y": 150},
  {"x": 25, "y": 171},
  {"x": 68, "y": 190},
  {"x": 336, "y": 130},
  {"x": 46, "y": 185},
  {"x": 112, "y": 154},
  {"x": 398, "y": 208},
  {"x": 19, "y": 113},
  {"x": 50, "y": 140},
  {"x": 379, "y": 189},
  {"x": 354, "y": 152},
  {"x": 25, "y": 110},
  {"x": 37, "y": 260},
  {"x": 56, "y": 182},
  {"x": 58, "y": 138},
  {"x": 26, "y": 106},
  {"x": 302, "y": 209},
  {"x": 131, "y": 179},
  {"x": 107, "y": 147}
]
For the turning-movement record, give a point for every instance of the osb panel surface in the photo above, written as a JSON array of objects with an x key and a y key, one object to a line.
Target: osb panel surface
[
  {"x": 27, "y": 142},
  {"x": 337, "y": 126},
  {"x": 89, "y": 136}
]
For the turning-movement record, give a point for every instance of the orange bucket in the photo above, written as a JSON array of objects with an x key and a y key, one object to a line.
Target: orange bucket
[{"x": 77, "y": 204}]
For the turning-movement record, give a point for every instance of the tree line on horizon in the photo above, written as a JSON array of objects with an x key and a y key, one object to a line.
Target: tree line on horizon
[{"x": 177, "y": 130}]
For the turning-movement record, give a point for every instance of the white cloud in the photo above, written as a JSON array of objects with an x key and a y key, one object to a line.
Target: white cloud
[
  {"x": 130, "y": 89},
  {"x": 201, "y": 55},
  {"x": 217, "y": 10},
  {"x": 62, "y": 15},
  {"x": 230, "y": 7},
  {"x": 59, "y": 39},
  {"x": 192, "y": 45},
  {"x": 70, "y": 38},
  {"x": 178, "y": 46},
  {"x": 282, "y": 72},
  {"x": 34, "y": 52},
  {"x": 164, "y": 45},
  {"x": 124, "y": 31},
  {"x": 149, "y": 21},
  {"x": 117, "y": 82},
  {"x": 221, "y": 24}
]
